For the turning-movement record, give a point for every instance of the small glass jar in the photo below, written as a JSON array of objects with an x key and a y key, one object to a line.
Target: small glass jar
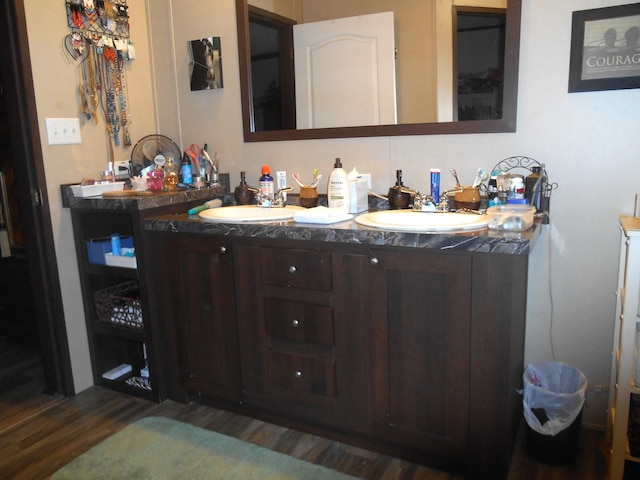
[
  {"x": 154, "y": 180},
  {"x": 170, "y": 176}
]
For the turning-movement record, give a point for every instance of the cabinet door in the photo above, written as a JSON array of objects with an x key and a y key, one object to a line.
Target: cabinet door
[
  {"x": 421, "y": 313},
  {"x": 200, "y": 315}
]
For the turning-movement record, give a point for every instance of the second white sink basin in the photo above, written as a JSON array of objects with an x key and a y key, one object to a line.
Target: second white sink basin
[
  {"x": 410, "y": 221},
  {"x": 248, "y": 213}
]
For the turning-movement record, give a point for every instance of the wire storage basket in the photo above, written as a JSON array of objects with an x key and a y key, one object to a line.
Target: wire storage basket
[
  {"x": 521, "y": 166},
  {"x": 119, "y": 305}
]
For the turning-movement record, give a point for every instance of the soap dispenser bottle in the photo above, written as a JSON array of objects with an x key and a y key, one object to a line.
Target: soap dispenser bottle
[
  {"x": 338, "y": 189},
  {"x": 398, "y": 197},
  {"x": 244, "y": 194}
]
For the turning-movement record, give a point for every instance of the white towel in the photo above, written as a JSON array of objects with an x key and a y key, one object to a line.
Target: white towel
[{"x": 323, "y": 215}]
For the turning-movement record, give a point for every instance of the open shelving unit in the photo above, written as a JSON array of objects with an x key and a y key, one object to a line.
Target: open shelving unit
[
  {"x": 624, "y": 354},
  {"x": 113, "y": 342}
]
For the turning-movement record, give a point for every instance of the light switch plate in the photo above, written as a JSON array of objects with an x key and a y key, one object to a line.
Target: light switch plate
[{"x": 63, "y": 131}]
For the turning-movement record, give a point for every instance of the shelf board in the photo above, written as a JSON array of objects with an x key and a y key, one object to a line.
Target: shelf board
[
  {"x": 103, "y": 328},
  {"x": 109, "y": 271},
  {"x": 120, "y": 386}
]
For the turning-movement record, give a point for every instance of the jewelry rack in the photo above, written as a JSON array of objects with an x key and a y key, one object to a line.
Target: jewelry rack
[{"x": 105, "y": 18}]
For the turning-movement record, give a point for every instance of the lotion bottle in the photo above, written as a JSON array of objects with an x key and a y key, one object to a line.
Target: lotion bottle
[{"x": 338, "y": 189}]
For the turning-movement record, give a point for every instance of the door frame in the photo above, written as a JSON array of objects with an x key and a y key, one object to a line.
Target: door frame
[{"x": 17, "y": 80}]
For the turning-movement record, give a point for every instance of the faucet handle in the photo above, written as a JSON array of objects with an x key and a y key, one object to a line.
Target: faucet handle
[{"x": 443, "y": 204}]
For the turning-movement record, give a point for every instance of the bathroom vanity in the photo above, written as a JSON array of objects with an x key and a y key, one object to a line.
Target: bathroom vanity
[{"x": 406, "y": 343}]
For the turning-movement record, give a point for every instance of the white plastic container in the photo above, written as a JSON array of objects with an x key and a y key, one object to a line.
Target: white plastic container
[
  {"x": 96, "y": 189},
  {"x": 338, "y": 188},
  {"x": 512, "y": 218}
]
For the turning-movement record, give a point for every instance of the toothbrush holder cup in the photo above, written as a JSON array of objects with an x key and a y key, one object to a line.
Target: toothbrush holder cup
[{"x": 308, "y": 197}]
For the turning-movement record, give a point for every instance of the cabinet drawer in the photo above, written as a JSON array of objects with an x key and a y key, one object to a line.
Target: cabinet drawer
[
  {"x": 304, "y": 374},
  {"x": 296, "y": 268},
  {"x": 300, "y": 321}
]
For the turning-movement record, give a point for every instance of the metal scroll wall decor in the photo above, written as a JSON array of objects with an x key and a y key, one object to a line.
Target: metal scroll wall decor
[{"x": 99, "y": 46}]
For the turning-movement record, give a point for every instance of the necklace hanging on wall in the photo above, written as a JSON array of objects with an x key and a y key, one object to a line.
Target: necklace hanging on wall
[
  {"x": 100, "y": 42},
  {"x": 121, "y": 84}
]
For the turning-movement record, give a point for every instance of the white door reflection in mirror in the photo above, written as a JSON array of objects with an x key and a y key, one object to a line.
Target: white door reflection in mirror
[{"x": 345, "y": 72}]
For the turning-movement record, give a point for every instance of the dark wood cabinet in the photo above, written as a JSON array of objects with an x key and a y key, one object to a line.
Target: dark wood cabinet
[
  {"x": 293, "y": 337},
  {"x": 415, "y": 352},
  {"x": 122, "y": 337},
  {"x": 194, "y": 300},
  {"x": 421, "y": 312}
]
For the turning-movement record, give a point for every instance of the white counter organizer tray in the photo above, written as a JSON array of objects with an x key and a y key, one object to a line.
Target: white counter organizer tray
[{"x": 96, "y": 189}]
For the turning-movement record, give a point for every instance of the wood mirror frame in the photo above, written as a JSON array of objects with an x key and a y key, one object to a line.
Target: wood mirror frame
[{"x": 506, "y": 124}]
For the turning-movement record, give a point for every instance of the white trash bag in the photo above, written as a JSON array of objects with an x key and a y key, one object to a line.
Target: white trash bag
[{"x": 554, "y": 394}]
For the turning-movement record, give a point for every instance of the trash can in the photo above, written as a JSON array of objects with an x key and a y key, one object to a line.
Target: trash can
[{"x": 553, "y": 398}]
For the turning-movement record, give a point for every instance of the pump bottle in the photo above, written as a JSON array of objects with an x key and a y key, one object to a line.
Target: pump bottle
[{"x": 338, "y": 189}]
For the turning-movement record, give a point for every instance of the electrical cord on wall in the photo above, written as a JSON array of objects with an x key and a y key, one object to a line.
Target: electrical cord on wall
[{"x": 553, "y": 353}]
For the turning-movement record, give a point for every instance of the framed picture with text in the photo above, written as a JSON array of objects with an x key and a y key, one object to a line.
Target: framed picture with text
[{"x": 605, "y": 52}]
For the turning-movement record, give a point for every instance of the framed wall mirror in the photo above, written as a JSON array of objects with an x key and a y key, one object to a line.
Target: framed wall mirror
[{"x": 425, "y": 93}]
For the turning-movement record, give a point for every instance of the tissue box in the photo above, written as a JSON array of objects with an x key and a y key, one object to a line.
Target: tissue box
[
  {"x": 359, "y": 196},
  {"x": 97, "y": 247}
]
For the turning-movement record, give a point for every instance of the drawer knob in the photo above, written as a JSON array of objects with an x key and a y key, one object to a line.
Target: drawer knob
[
  {"x": 374, "y": 261},
  {"x": 295, "y": 322},
  {"x": 293, "y": 269},
  {"x": 223, "y": 249},
  {"x": 298, "y": 374}
]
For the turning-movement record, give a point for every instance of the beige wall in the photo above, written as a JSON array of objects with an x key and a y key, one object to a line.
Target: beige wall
[
  {"x": 56, "y": 84},
  {"x": 588, "y": 141}
]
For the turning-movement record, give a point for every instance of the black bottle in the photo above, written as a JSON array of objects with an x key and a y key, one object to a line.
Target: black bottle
[
  {"x": 533, "y": 187},
  {"x": 397, "y": 197},
  {"x": 243, "y": 193}
]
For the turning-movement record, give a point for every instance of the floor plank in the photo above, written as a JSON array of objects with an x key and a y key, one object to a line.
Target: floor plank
[{"x": 40, "y": 433}]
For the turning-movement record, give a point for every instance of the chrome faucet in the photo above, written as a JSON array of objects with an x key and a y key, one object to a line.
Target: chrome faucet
[
  {"x": 425, "y": 203},
  {"x": 276, "y": 200}
]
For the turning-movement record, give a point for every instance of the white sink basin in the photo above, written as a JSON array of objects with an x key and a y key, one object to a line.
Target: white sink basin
[
  {"x": 410, "y": 221},
  {"x": 248, "y": 213}
]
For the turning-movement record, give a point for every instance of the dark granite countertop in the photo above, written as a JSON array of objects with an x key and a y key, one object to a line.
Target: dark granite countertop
[
  {"x": 154, "y": 200},
  {"x": 485, "y": 241}
]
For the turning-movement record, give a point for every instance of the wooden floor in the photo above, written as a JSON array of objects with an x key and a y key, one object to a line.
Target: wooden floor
[{"x": 39, "y": 433}]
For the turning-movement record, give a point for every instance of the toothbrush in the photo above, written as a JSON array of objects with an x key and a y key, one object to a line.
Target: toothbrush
[
  {"x": 478, "y": 179},
  {"x": 316, "y": 180},
  {"x": 455, "y": 175},
  {"x": 296, "y": 177}
]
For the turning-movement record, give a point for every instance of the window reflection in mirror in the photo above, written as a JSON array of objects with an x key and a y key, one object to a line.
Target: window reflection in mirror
[
  {"x": 272, "y": 79},
  {"x": 480, "y": 46}
]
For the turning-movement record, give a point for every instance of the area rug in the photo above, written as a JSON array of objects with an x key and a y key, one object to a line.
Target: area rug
[{"x": 157, "y": 448}]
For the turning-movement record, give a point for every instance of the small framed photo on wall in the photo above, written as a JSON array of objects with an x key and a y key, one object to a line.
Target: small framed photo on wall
[
  {"x": 605, "y": 52},
  {"x": 205, "y": 67}
]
